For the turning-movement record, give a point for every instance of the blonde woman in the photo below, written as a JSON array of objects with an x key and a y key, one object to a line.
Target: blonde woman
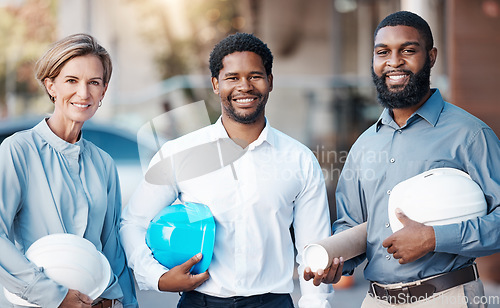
[{"x": 52, "y": 180}]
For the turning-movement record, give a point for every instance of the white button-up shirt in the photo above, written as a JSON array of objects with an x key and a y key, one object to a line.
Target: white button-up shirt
[{"x": 275, "y": 184}]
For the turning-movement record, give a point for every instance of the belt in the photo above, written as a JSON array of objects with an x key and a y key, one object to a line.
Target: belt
[
  {"x": 197, "y": 299},
  {"x": 423, "y": 289},
  {"x": 105, "y": 303}
]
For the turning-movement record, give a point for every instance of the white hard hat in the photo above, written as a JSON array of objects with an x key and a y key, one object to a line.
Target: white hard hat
[
  {"x": 437, "y": 197},
  {"x": 71, "y": 261}
]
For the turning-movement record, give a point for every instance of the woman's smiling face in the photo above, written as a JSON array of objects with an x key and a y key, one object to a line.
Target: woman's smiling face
[{"x": 78, "y": 89}]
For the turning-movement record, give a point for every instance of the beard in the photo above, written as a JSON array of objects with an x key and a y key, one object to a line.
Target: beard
[
  {"x": 406, "y": 96},
  {"x": 245, "y": 118}
]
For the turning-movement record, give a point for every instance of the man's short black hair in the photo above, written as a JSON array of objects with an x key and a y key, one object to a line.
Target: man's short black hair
[
  {"x": 239, "y": 42},
  {"x": 405, "y": 18}
]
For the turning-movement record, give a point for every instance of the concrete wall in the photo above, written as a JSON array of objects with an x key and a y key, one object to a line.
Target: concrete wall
[{"x": 474, "y": 39}]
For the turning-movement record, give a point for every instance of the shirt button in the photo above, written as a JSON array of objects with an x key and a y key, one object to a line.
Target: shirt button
[
  {"x": 388, "y": 257},
  {"x": 387, "y": 225},
  {"x": 389, "y": 192},
  {"x": 400, "y": 131},
  {"x": 392, "y": 160}
]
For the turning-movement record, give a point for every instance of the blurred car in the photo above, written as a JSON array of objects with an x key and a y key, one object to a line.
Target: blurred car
[{"x": 120, "y": 144}]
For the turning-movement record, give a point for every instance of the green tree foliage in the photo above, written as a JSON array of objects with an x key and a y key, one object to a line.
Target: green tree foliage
[
  {"x": 26, "y": 29},
  {"x": 207, "y": 21}
]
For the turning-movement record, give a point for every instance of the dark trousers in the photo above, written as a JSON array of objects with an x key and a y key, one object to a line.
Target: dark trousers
[{"x": 195, "y": 299}]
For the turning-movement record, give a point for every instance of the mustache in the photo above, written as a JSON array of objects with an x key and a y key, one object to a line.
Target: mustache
[
  {"x": 230, "y": 97},
  {"x": 384, "y": 75}
]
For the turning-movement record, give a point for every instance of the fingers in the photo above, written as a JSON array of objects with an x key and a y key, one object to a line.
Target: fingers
[
  {"x": 391, "y": 249},
  {"x": 387, "y": 242},
  {"x": 194, "y": 281},
  {"x": 335, "y": 271},
  {"x": 199, "y": 279},
  {"x": 401, "y": 216},
  {"x": 330, "y": 275},
  {"x": 75, "y": 298},
  {"x": 180, "y": 279},
  {"x": 308, "y": 274},
  {"x": 401, "y": 259},
  {"x": 84, "y": 298},
  {"x": 192, "y": 261},
  {"x": 318, "y": 278}
]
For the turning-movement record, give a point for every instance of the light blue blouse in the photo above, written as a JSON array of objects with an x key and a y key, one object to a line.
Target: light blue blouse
[{"x": 51, "y": 186}]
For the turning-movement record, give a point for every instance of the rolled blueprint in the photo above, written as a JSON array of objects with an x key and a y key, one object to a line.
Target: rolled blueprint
[{"x": 346, "y": 244}]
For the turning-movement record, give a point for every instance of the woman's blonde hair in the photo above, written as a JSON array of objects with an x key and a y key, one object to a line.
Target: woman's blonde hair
[{"x": 52, "y": 62}]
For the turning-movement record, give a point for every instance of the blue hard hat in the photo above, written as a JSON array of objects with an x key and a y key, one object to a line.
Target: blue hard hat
[{"x": 180, "y": 231}]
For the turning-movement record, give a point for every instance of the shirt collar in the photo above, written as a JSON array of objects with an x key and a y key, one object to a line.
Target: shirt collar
[
  {"x": 429, "y": 111},
  {"x": 267, "y": 135},
  {"x": 57, "y": 143}
]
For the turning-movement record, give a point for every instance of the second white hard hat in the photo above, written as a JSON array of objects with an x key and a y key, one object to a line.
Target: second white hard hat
[
  {"x": 71, "y": 261},
  {"x": 437, "y": 197}
]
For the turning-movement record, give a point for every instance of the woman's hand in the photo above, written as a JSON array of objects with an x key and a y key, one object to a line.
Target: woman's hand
[{"x": 76, "y": 299}]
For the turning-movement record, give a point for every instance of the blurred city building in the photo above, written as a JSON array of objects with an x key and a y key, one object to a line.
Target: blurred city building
[{"x": 323, "y": 94}]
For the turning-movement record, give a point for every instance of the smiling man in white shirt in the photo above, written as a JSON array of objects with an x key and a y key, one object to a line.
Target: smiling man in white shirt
[{"x": 275, "y": 184}]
